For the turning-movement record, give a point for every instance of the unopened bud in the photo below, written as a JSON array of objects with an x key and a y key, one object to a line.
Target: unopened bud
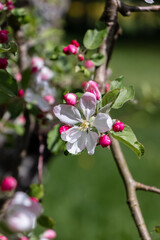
[
  {"x": 8, "y": 184},
  {"x": 3, "y": 36},
  {"x": 72, "y": 49},
  {"x": 2, "y": 237},
  {"x": 64, "y": 128},
  {"x": 104, "y": 141},
  {"x": 107, "y": 87},
  {"x": 33, "y": 199},
  {"x": 23, "y": 238},
  {"x": 10, "y": 5},
  {"x": 50, "y": 99},
  {"x": 49, "y": 234},
  {"x": 75, "y": 43},
  {"x": 118, "y": 126},
  {"x": 3, "y": 63},
  {"x": 88, "y": 64},
  {"x": 65, "y": 50},
  {"x": 20, "y": 93},
  {"x": 70, "y": 98},
  {"x": 80, "y": 57}
]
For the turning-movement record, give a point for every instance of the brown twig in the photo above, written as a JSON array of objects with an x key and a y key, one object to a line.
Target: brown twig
[{"x": 110, "y": 18}]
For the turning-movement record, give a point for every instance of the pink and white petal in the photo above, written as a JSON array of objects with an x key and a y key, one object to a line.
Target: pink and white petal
[
  {"x": 78, "y": 146},
  {"x": 67, "y": 114},
  {"x": 87, "y": 104},
  {"x": 103, "y": 122},
  {"x": 71, "y": 135},
  {"x": 91, "y": 142}
]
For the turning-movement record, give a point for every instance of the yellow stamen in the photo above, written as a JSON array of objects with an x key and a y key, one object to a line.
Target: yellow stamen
[{"x": 84, "y": 126}]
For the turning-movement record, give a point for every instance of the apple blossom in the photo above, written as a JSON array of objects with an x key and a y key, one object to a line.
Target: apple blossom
[
  {"x": 86, "y": 127},
  {"x": 65, "y": 50},
  {"x": 37, "y": 63},
  {"x": 18, "y": 77},
  {"x": 70, "y": 98},
  {"x": 50, "y": 99},
  {"x": 21, "y": 213},
  {"x": 92, "y": 86},
  {"x": 20, "y": 120},
  {"x": 10, "y": 5},
  {"x": 3, "y": 36},
  {"x": 9, "y": 183},
  {"x": 3, "y": 63},
  {"x": 118, "y": 126},
  {"x": 1, "y": 6},
  {"x": 104, "y": 141}
]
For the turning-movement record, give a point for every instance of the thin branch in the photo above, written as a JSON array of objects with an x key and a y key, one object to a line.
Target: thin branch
[
  {"x": 141, "y": 186},
  {"x": 40, "y": 159},
  {"x": 126, "y": 9}
]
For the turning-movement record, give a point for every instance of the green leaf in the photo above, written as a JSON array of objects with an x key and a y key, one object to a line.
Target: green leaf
[
  {"x": 4, "y": 98},
  {"x": 117, "y": 83},
  {"x": 26, "y": 75},
  {"x": 15, "y": 108},
  {"x": 94, "y": 38},
  {"x": 54, "y": 142},
  {"x": 12, "y": 48},
  {"x": 8, "y": 85},
  {"x": 125, "y": 95},
  {"x": 128, "y": 138},
  {"x": 36, "y": 190},
  {"x": 98, "y": 59},
  {"x": 109, "y": 99},
  {"x": 46, "y": 222}
]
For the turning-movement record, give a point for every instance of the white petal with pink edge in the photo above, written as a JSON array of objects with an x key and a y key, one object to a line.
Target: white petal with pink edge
[
  {"x": 87, "y": 104},
  {"x": 71, "y": 135},
  {"x": 67, "y": 114}
]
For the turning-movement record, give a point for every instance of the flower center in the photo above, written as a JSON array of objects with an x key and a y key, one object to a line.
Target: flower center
[{"x": 84, "y": 126}]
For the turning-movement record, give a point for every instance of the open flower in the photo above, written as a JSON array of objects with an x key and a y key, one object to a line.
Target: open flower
[{"x": 85, "y": 127}]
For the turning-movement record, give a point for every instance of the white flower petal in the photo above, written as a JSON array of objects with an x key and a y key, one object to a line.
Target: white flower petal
[
  {"x": 77, "y": 146},
  {"x": 87, "y": 104},
  {"x": 103, "y": 122},
  {"x": 91, "y": 142},
  {"x": 71, "y": 135},
  {"x": 42, "y": 104},
  {"x": 67, "y": 114}
]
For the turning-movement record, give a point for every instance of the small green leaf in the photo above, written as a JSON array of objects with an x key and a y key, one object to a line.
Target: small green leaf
[
  {"x": 8, "y": 85},
  {"x": 109, "y": 99},
  {"x": 46, "y": 222},
  {"x": 37, "y": 191},
  {"x": 128, "y": 138},
  {"x": 54, "y": 142},
  {"x": 125, "y": 95},
  {"x": 157, "y": 229},
  {"x": 26, "y": 75},
  {"x": 94, "y": 38},
  {"x": 117, "y": 83},
  {"x": 98, "y": 59},
  {"x": 13, "y": 47}
]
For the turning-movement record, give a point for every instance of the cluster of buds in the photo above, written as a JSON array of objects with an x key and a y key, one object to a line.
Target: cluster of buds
[
  {"x": 94, "y": 128},
  {"x": 3, "y": 39},
  {"x": 73, "y": 48}
]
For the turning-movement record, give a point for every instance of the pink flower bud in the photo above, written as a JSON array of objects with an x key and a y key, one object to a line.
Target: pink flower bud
[
  {"x": 50, "y": 99},
  {"x": 80, "y": 57},
  {"x": 104, "y": 141},
  {"x": 49, "y": 234},
  {"x": 1, "y": 6},
  {"x": 72, "y": 49},
  {"x": 64, "y": 128},
  {"x": 84, "y": 84},
  {"x": 18, "y": 77},
  {"x": 3, "y": 63},
  {"x": 33, "y": 199},
  {"x": 2, "y": 237},
  {"x": 70, "y": 98},
  {"x": 20, "y": 93},
  {"x": 92, "y": 86},
  {"x": 23, "y": 238},
  {"x": 10, "y": 5},
  {"x": 3, "y": 36},
  {"x": 118, "y": 126},
  {"x": 107, "y": 87},
  {"x": 75, "y": 43},
  {"x": 21, "y": 120},
  {"x": 65, "y": 50},
  {"x": 8, "y": 184},
  {"x": 88, "y": 64}
]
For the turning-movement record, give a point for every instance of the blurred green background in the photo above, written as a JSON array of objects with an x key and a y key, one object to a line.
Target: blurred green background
[{"x": 85, "y": 194}]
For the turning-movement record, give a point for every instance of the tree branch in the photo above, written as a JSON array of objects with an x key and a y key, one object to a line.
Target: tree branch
[
  {"x": 126, "y": 9},
  {"x": 109, "y": 16}
]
